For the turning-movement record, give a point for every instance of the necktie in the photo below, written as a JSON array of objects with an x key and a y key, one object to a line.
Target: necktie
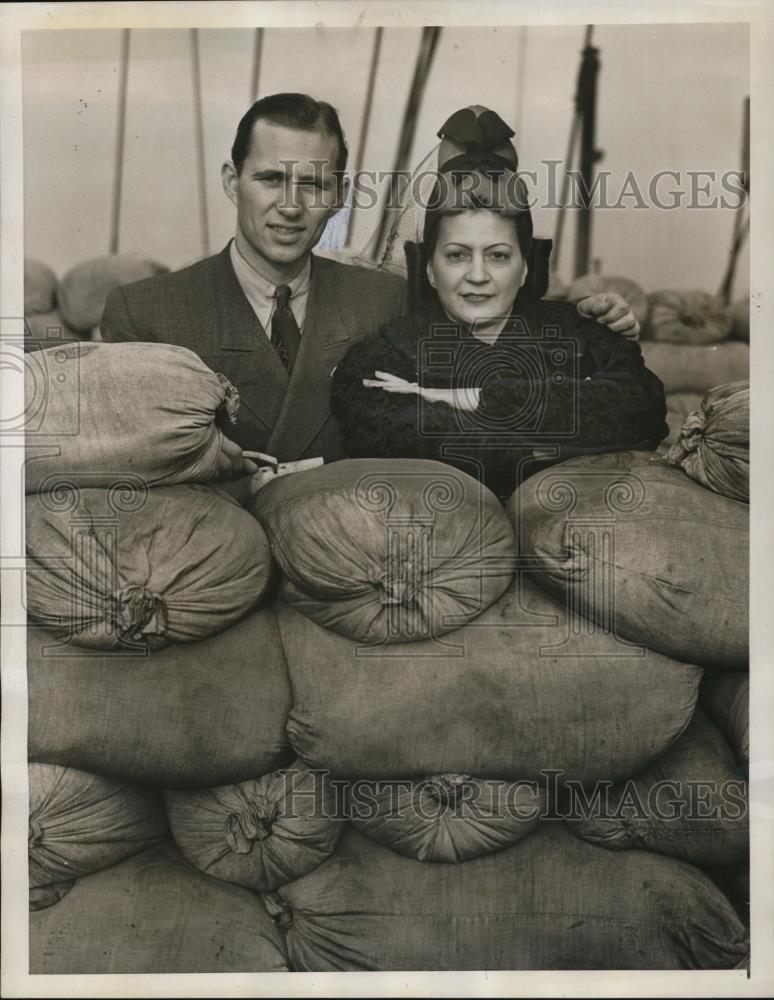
[{"x": 285, "y": 335}]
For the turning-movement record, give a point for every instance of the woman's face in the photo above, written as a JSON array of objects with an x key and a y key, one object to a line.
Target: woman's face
[{"x": 477, "y": 267}]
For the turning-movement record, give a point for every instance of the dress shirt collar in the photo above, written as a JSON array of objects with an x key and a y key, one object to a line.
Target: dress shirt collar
[{"x": 259, "y": 291}]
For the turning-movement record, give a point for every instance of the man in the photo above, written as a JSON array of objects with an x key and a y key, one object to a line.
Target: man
[{"x": 265, "y": 312}]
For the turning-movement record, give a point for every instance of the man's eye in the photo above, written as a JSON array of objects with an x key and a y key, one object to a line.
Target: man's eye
[{"x": 270, "y": 181}]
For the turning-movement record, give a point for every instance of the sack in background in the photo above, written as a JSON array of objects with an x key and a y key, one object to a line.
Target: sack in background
[
  {"x": 388, "y": 550},
  {"x": 86, "y": 286},
  {"x": 692, "y": 317},
  {"x": 639, "y": 548},
  {"x": 697, "y": 367},
  {"x": 40, "y": 284}
]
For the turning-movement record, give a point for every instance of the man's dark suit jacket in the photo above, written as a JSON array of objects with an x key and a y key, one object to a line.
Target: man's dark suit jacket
[{"x": 204, "y": 309}]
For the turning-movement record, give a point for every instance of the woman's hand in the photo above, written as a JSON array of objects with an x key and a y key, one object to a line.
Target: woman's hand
[
  {"x": 612, "y": 310},
  {"x": 460, "y": 399}
]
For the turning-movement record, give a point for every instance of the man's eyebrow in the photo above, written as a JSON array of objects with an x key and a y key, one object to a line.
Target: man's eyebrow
[{"x": 268, "y": 175}]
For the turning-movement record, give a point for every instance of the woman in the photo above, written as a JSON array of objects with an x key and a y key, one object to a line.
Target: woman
[{"x": 482, "y": 373}]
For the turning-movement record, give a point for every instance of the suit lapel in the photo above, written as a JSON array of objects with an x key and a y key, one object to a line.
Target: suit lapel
[
  {"x": 329, "y": 328},
  {"x": 244, "y": 344}
]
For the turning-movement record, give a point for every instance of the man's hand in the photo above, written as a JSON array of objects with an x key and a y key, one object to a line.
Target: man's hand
[
  {"x": 612, "y": 310},
  {"x": 231, "y": 462}
]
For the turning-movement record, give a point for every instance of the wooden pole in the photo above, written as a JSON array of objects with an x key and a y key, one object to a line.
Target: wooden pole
[
  {"x": 587, "y": 105},
  {"x": 424, "y": 61},
  {"x": 741, "y": 223},
  {"x": 118, "y": 170},
  {"x": 256, "y": 73},
  {"x": 364, "y": 123},
  {"x": 199, "y": 138}
]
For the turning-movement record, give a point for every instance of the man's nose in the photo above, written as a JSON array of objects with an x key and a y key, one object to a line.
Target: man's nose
[{"x": 290, "y": 203}]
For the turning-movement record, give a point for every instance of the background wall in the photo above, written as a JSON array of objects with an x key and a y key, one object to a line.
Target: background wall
[{"x": 670, "y": 98}]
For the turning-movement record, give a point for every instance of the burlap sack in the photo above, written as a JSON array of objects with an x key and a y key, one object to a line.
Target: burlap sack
[
  {"x": 44, "y": 330},
  {"x": 177, "y": 564},
  {"x": 641, "y": 549},
  {"x": 690, "y": 804},
  {"x": 714, "y": 442},
  {"x": 80, "y": 823},
  {"x": 40, "y": 284},
  {"x": 137, "y": 413},
  {"x": 86, "y": 286},
  {"x": 154, "y": 914},
  {"x": 446, "y": 817},
  {"x": 726, "y": 699},
  {"x": 550, "y": 902},
  {"x": 261, "y": 833},
  {"x": 192, "y": 715},
  {"x": 692, "y": 317},
  {"x": 679, "y": 406},
  {"x": 387, "y": 550},
  {"x": 518, "y": 691},
  {"x": 697, "y": 367}
]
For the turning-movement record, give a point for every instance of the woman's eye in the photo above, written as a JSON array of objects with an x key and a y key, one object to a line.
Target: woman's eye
[
  {"x": 455, "y": 255},
  {"x": 500, "y": 256}
]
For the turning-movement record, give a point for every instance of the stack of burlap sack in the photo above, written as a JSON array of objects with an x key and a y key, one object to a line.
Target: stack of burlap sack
[
  {"x": 60, "y": 312},
  {"x": 690, "y": 339},
  {"x": 393, "y": 764}
]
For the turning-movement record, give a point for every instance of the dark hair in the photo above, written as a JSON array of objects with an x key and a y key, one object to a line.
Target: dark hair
[
  {"x": 299, "y": 111},
  {"x": 451, "y": 197}
]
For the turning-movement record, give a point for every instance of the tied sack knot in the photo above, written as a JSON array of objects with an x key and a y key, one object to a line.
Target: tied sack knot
[
  {"x": 691, "y": 437},
  {"x": 229, "y": 408},
  {"x": 400, "y": 582},
  {"x": 278, "y": 910},
  {"x": 447, "y": 788},
  {"x": 135, "y": 611},
  {"x": 34, "y": 833},
  {"x": 252, "y": 822}
]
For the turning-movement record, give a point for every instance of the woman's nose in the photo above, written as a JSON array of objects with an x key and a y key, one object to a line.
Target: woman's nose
[{"x": 477, "y": 273}]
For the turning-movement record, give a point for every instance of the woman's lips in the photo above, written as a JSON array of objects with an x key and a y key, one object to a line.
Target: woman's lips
[{"x": 476, "y": 297}]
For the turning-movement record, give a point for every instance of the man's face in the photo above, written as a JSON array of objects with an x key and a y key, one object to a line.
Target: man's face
[{"x": 284, "y": 196}]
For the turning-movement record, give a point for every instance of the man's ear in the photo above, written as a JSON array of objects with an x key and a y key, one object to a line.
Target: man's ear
[
  {"x": 229, "y": 178},
  {"x": 430, "y": 273}
]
